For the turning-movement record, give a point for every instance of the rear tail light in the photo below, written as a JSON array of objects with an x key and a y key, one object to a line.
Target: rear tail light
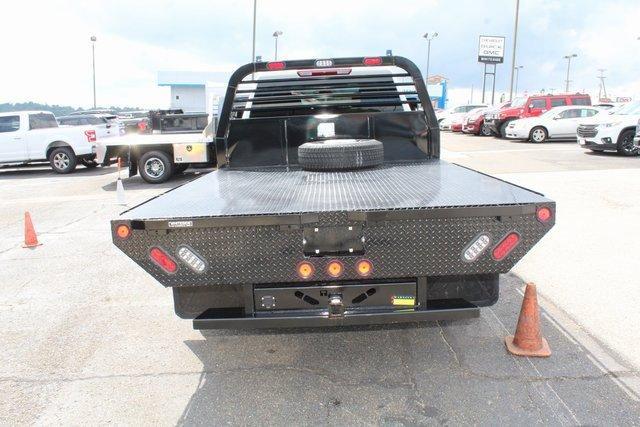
[
  {"x": 334, "y": 269},
  {"x": 364, "y": 267},
  {"x": 91, "y": 135},
  {"x": 305, "y": 270},
  {"x": 274, "y": 66},
  {"x": 123, "y": 231},
  {"x": 163, "y": 260},
  {"x": 506, "y": 245},
  {"x": 319, "y": 73},
  {"x": 372, "y": 61},
  {"x": 543, "y": 214}
]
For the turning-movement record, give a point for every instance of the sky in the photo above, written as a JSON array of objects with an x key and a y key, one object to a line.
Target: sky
[{"x": 47, "y": 52}]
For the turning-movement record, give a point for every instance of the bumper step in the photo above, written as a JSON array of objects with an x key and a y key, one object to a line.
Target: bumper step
[{"x": 215, "y": 319}]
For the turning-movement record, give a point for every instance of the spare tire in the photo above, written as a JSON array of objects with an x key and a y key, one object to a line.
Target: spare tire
[{"x": 340, "y": 154}]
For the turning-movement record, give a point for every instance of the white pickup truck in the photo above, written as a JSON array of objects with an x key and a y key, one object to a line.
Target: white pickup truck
[{"x": 34, "y": 136}]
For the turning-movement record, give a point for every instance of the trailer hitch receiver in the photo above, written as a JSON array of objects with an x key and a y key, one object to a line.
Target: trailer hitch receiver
[{"x": 336, "y": 307}]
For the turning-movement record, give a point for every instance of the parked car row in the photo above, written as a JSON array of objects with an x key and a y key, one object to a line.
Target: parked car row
[{"x": 541, "y": 118}]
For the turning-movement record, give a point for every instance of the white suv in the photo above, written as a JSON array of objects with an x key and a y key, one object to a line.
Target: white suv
[{"x": 611, "y": 132}]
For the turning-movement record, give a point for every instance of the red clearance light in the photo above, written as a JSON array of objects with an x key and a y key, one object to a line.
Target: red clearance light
[
  {"x": 372, "y": 61},
  {"x": 505, "y": 246},
  {"x": 274, "y": 66},
  {"x": 331, "y": 72},
  {"x": 163, "y": 260},
  {"x": 305, "y": 270},
  {"x": 123, "y": 231},
  {"x": 543, "y": 214}
]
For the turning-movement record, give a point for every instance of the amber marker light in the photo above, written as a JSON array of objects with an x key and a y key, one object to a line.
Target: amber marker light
[
  {"x": 123, "y": 231},
  {"x": 305, "y": 270},
  {"x": 364, "y": 267},
  {"x": 334, "y": 269}
]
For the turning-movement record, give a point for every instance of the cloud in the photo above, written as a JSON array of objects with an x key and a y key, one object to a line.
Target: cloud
[{"x": 50, "y": 60}]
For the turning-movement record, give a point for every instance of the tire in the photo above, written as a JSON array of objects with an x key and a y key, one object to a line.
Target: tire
[
  {"x": 538, "y": 135},
  {"x": 625, "y": 143},
  {"x": 180, "y": 167},
  {"x": 155, "y": 167},
  {"x": 485, "y": 130},
  {"x": 340, "y": 154},
  {"x": 63, "y": 160},
  {"x": 503, "y": 129},
  {"x": 89, "y": 164}
]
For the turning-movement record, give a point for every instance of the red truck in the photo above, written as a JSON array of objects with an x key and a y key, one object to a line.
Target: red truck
[{"x": 530, "y": 106}]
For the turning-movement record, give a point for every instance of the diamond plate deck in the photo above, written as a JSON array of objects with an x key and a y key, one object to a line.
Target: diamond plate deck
[{"x": 426, "y": 185}]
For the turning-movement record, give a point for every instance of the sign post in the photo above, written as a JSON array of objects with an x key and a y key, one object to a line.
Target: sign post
[{"x": 490, "y": 51}]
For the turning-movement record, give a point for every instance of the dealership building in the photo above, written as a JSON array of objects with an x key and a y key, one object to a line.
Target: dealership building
[{"x": 194, "y": 91}]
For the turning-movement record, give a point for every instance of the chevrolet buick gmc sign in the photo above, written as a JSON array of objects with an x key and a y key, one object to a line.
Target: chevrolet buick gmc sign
[{"x": 491, "y": 49}]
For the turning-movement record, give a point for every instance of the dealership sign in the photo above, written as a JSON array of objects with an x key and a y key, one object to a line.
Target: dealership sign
[{"x": 491, "y": 49}]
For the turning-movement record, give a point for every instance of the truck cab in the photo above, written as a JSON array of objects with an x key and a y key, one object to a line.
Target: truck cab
[
  {"x": 34, "y": 136},
  {"x": 531, "y": 106}
]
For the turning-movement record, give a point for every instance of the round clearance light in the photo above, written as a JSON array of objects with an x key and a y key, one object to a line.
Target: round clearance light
[
  {"x": 305, "y": 270},
  {"x": 123, "y": 231},
  {"x": 364, "y": 267},
  {"x": 543, "y": 214},
  {"x": 334, "y": 269}
]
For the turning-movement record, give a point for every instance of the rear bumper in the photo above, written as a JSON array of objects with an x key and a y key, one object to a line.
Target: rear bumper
[{"x": 216, "y": 319}]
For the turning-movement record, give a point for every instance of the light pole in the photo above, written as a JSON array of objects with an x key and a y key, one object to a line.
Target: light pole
[
  {"x": 517, "y": 69},
  {"x": 568, "y": 58},
  {"x": 515, "y": 41},
  {"x": 93, "y": 56},
  {"x": 253, "y": 48},
  {"x": 429, "y": 37},
  {"x": 277, "y": 34}
]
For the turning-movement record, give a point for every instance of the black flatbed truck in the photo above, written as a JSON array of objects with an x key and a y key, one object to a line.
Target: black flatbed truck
[{"x": 271, "y": 240}]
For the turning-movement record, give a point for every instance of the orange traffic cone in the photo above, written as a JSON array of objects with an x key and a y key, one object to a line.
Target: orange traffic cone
[
  {"x": 30, "y": 238},
  {"x": 528, "y": 340}
]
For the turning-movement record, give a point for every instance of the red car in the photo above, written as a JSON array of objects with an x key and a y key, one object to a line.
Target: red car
[
  {"x": 531, "y": 106},
  {"x": 474, "y": 123}
]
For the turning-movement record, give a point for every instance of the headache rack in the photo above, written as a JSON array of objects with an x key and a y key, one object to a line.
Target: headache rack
[{"x": 317, "y": 88}]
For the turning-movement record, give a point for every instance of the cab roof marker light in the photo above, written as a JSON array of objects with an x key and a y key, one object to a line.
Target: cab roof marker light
[
  {"x": 372, "y": 61},
  {"x": 274, "y": 66}
]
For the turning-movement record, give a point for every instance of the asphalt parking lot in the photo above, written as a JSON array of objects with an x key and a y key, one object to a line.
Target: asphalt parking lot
[{"x": 88, "y": 338}]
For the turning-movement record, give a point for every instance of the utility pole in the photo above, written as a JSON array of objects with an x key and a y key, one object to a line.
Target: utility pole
[
  {"x": 568, "y": 58},
  {"x": 429, "y": 38},
  {"x": 517, "y": 70},
  {"x": 603, "y": 89},
  {"x": 253, "y": 49},
  {"x": 93, "y": 56},
  {"x": 277, "y": 34},
  {"x": 513, "y": 56}
]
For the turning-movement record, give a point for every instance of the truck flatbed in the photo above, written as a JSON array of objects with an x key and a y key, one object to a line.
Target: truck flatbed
[
  {"x": 331, "y": 206},
  {"x": 432, "y": 184}
]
